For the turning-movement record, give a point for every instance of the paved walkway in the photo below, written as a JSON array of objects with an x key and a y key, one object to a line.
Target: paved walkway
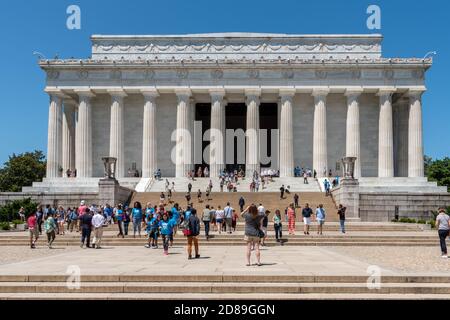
[{"x": 214, "y": 261}]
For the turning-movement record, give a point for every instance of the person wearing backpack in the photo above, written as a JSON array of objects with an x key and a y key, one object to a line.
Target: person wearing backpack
[
  {"x": 192, "y": 231},
  {"x": 320, "y": 218}
]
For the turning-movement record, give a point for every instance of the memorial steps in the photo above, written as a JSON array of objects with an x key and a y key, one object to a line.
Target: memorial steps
[
  {"x": 219, "y": 286},
  {"x": 270, "y": 200}
]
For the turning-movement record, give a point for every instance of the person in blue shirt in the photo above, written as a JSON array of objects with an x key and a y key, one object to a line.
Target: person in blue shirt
[
  {"x": 166, "y": 226},
  {"x": 320, "y": 218},
  {"x": 108, "y": 211},
  {"x": 137, "y": 217},
  {"x": 152, "y": 230}
]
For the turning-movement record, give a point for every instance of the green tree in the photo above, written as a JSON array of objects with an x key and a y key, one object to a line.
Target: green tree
[
  {"x": 439, "y": 170},
  {"x": 21, "y": 170}
]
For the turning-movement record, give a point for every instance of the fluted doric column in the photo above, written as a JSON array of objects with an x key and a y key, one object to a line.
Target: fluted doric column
[
  {"x": 149, "y": 139},
  {"x": 68, "y": 135},
  {"x": 116, "y": 133},
  {"x": 353, "y": 140},
  {"x": 286, "y": 134},
  {"x": 217, "y": 138},
  {"x": 183, "y": 134},
  {"x": 54, "y": 142},
  {"x": 415, "y": 143},
  {"x": 252, "y": 133},
  {"x": 83, "y": 134},
  {"x": 320, "y": 153},
  {"x": 385, "y": 134}
]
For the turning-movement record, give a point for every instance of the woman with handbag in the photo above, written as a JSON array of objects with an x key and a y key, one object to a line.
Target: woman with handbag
[{"x": 253, "y": 231}]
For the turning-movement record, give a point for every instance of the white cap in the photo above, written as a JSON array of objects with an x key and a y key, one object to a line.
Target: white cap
[{"x": 82, "y": 202}]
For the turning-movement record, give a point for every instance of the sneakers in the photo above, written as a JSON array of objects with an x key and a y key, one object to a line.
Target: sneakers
[
  {"x": 189, "y": 257},
  {"x": 81, "y": 245},
  {"x": 444, "y": 256},
  {"x": 197, "y": 256},
  {"x": 147, "y": 246},
  {"x": 166, "y": 253}
]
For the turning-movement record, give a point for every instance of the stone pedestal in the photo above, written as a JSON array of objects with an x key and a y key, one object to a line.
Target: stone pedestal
[
  {"x": 108, "y": 191},
  {"x": 348, "y": 195}
]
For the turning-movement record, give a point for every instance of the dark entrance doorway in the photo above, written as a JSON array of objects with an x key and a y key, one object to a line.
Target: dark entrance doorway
[
  {"x": 268, "y": 120},
  {"x": 235, "y": 118},
  {"x": 203, "y": 114}
]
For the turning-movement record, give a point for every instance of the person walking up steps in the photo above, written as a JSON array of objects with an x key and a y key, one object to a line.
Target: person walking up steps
[
  {"x": 443, "y": 226},
  {"x": 137, "y": 217},
  {"x": 192, "y": 232},
  {"x": 277, "y": 225},
  {"x": 166, "y": 226},
  {"x": 49, "y": 228},
  {"x": 86, "y": 228},
  {"x": 291, "y": 219},
  {"x": 33, "y": 229},
  {"x": 97, "y": 223},
  {"x": 206, "y": 217},
  {"x": 320, "y": 218},
  {"x": 241, "y": 203},
  {"x": 306, "y": 213},
  {"x": 152, "y": 231},
  {"x": 220, "y": 214},
  {"x": 341, "y": 214},
  {"x": 228, "y": 215},
  {"x": 282, "y": 192}
]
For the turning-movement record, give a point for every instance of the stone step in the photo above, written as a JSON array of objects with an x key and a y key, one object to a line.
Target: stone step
[
  {"x": 226, "y": 287},
  {"x": 227, "y": 278},
  {"x": 221, "y": 296}
]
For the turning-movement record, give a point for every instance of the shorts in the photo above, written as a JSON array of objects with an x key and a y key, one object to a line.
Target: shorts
[
  {"x": 307, "y": 220},
  {"x": 153, "y": 234},
  {"x": 320, "y": 221},
  {"x": 219, "y": 220},
  {"x": 34, "y": 232},
  {"x": 253, "y": 239}
]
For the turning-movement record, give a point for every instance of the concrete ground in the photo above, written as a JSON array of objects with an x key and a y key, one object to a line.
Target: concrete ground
[{"x": 223, "y": 260}]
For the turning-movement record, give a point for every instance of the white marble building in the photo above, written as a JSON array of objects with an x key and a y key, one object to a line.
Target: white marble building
[{"x": 334, "y": 95}]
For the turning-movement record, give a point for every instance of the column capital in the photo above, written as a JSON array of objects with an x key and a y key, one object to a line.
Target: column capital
[
  {"x": 149, "y": 93},
  {"x": 415, "y": 93},
  {"x": 183, "y": 94},
  {"x": 386, "y": 91},
  {"x": 56, "y": 94},
  {"x": 117, "y": 92},
  {"x": 217, "y": 93},
  {"x": 287, "y": 92},
  {"x": 353, "y": 91},
  {"x": 252, "y": 92},
  {"x": 320, "y": 92},
  {"x": 84, "y": 93}
]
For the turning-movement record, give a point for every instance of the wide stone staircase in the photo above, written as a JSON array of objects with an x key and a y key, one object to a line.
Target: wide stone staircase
[
  {"x": 181, "y": 184},
  {"x": 270, "y": 200},
  {"x": 222, "y": 286}
]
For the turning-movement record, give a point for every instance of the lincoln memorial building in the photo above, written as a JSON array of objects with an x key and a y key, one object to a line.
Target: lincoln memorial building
[{"x": 168, "y": 103}]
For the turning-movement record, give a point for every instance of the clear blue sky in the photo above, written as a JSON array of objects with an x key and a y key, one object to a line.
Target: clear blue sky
[{"x": 410, "y": 28}]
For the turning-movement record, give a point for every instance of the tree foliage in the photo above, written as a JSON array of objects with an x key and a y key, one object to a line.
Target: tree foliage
[
  {"x": 21, "y": 170},
  {"x": 438, "y": 170},
  {"x": 10, "y": 211}
]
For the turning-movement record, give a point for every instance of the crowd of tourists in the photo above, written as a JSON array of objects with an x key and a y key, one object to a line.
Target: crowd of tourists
[{"x": 160, "y": 223}]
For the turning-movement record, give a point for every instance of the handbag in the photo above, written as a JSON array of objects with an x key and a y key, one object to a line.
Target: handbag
[{"x": 261, "y": 233}]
